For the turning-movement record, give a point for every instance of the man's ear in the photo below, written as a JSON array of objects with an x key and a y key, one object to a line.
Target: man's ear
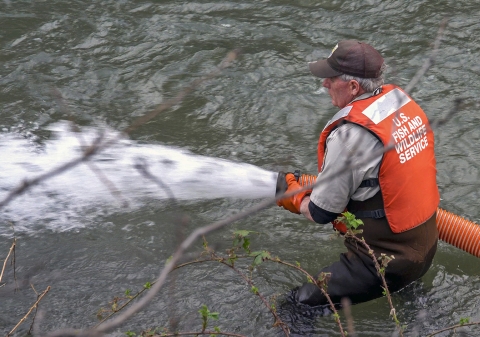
[{"x": 354, "y": 87}]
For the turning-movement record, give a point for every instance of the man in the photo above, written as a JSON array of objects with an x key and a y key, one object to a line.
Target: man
[{"x": 375, "y": 159}]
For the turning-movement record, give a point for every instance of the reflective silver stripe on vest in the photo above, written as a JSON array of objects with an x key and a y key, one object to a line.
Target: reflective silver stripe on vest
[
  {"x": 386, "y": 105},
  {"x": 340, "y": 114}
]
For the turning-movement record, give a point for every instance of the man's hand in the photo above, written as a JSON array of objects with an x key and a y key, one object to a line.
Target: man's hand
[{"x": 293, "y": 203}]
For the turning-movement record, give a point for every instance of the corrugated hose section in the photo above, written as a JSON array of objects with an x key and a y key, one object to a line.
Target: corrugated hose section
[{"x": 459, "y": 232}]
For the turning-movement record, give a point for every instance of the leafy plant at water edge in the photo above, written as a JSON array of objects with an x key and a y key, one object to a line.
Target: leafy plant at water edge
[{"x": 206, "y": 314}]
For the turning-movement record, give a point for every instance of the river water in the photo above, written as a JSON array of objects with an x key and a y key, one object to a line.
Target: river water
[{"x": 103, "y": 64}]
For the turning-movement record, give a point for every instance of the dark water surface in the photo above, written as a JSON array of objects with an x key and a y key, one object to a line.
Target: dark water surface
[{"x": 113, "y": 61}]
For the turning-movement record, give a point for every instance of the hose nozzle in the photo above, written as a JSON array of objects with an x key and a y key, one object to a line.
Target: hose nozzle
[
  {"x": 303, "y": 180},
  {"x": 281, "y": 183}
]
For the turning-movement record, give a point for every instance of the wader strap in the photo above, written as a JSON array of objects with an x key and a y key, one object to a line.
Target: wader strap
[
  {"x": 377, "y": 214},
  {"x": 373, "y": 182},
  {"x": 370, "y": 208}
]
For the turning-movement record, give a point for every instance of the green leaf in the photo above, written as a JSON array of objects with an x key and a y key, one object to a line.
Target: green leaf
[
  {"x": 254, "y": 290},
  {"x": 204, "y": 311},
  {"x": 242, "y": 233},
  {"x": 260, "y": 256},
  {"x": 246, "y": 244},
  {"x": 147, "y": 285},
  {"x": 464, "y": 320},
  {"x": 127, "y": 292},
  {"x": 350, "y": 221}
]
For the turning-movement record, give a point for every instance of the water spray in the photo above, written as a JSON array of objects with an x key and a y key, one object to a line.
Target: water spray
[{"x": 78, "y": 193}]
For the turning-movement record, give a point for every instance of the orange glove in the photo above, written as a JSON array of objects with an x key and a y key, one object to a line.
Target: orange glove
[{"x": 293, "y": 203}]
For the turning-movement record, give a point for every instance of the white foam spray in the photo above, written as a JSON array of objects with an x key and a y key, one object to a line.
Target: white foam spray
[{"x": 79, "y": 190}]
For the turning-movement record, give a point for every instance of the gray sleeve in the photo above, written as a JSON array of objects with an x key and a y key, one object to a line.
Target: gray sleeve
[{"x": 347, "y": 162}]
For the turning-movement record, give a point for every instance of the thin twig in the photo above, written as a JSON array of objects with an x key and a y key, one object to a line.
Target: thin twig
[
  {"x": 429, "y": 61},
  {"x": 278, "y": 321},
  {"x": 320, "y": 285},
  {"x": 108, "y": 183},
  {"x": 12, "y": 249},
  {"x": 384, "y": 282},
  {"x": 220, "y": 333},
  {"x": 452, "y": 328},
  {"x": 346, "y": 306},
  {"x": 99, "y": 173},
  {"x": 35, "y": 314},
  {"x": 27, "y": 184},
  {"x": 34, "y": 306},
  {"x": 142, "y": 167},
  {"x": 231, "y": 56}
]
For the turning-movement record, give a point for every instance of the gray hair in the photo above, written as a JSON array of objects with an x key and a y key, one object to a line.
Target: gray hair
[{"x": 367, "y": 84}]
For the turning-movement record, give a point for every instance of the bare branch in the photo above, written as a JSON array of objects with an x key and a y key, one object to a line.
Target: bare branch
[
  {"x": 278, "y": 321},
  {"x": 27, "y": 184},
  {"x": 429, "y": 61},
  {"x": 321, "y": 283},
  {"x": 206, "y": 332},
  {"x": 12, "y": 249},
  {"x": 34, "y": 306},
  {"x": 142, "y": 167},
  {"x": 108, "y": 183},
  {"x": 346, "y": 305},
  {"x": 453, "y": 328}
]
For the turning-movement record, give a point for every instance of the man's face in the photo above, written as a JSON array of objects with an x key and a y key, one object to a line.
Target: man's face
[{"x": 340, "y": 91}]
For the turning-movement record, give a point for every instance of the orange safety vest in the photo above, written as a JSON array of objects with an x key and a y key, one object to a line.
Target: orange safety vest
[{"x": 407, "y": 174}]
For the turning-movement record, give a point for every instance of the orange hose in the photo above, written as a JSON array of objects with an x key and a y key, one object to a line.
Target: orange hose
[
  {"x": 452, "y": 228},
  {"x": 459, "y": 232}
]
